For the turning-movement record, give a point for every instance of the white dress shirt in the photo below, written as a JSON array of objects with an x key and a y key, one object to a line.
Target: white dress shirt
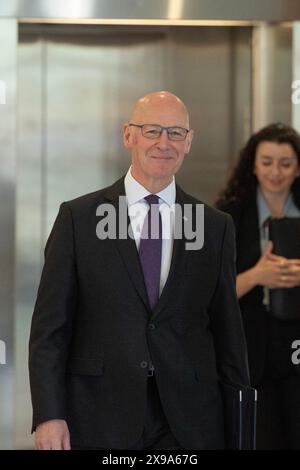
[{"x": 137, "y": 210}]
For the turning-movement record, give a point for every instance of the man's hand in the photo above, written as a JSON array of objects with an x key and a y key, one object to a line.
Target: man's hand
[{"x": 52, "y": 435}]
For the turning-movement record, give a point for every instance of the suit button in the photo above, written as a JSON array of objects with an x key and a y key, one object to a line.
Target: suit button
[
  {"x": 144, "y": 364},
  {"x": 151, "y": 326}
]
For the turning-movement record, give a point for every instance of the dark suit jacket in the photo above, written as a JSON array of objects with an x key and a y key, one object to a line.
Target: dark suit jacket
[
  {"x": 268, "y": 339},
  {"x": 93, "y": 332}
]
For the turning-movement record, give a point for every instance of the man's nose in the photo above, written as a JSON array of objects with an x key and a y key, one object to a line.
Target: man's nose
[{"x": 163, "y": 141}]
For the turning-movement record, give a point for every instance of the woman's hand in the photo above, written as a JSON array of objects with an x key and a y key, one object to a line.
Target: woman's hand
[
  {"x": 291, "y": 274},
  {"x": 275, "y": 271},
  {"x": 271, "y": 271}
]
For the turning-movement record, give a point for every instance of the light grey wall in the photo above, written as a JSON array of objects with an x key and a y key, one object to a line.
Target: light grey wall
[
  {"x": 272, "y": 74},
  {"x": 8, "y": 64},
  {"x": 266, "y": 10}
]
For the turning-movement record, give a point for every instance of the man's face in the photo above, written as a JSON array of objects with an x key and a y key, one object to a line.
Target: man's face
[{"x": 157, "y": 160}]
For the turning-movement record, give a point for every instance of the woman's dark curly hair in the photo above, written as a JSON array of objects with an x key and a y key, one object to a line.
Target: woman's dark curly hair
[{"x": 242, "y": 183}]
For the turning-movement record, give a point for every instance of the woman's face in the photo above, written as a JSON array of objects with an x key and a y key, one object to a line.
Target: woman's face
[{"x": 276, "y": 167}]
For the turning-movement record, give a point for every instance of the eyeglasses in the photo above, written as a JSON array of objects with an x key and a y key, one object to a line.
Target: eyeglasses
[{"x": 154, "y": 131}]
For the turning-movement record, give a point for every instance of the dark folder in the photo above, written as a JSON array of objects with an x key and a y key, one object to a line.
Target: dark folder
[
  {"x": 240, "y": 403},
  {"x": 285, "y": 234}
]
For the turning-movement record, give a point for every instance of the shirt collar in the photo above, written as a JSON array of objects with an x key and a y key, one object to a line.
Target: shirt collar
[
  {"x": 135, "y": 192},
  {"x": 290, "y": 209}
]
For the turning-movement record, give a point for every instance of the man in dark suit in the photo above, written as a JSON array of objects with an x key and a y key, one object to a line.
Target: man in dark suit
[{"x": 130, "y": 336}]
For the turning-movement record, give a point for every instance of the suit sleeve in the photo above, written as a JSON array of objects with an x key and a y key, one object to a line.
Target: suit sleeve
[
  {"x": 226, "y": 321},
  {"x": 51, "y": 328}
]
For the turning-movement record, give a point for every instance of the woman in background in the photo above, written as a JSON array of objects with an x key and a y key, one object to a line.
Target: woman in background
[{"x": 265, "y": 183}]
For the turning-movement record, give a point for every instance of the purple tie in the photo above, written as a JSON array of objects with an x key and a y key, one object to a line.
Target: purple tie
[{"x": 150, "y": 249}]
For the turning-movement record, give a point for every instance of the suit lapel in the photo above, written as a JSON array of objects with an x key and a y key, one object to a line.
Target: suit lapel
[
  {"x": 128, "y": 251},
  {"x": 172, "y": 283},
  {"x": 173, "y": 280},
  {"x": 127, "y": 247},
  {"x": 248, "y": 251}
]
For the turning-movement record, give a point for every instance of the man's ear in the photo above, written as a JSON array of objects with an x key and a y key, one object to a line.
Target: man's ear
[{"x": 127, "y": 135}]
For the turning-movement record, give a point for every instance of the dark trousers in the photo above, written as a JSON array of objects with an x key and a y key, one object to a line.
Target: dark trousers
[
  {"x": 156, "y": 432},
  {"x": 278, "y": 414}
]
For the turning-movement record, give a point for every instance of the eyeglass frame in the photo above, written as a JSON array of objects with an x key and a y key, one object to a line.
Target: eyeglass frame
[{"x": 162, "y": 128}]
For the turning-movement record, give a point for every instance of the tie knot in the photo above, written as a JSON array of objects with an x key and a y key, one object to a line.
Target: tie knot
[{"x": 152, "y": 199}]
